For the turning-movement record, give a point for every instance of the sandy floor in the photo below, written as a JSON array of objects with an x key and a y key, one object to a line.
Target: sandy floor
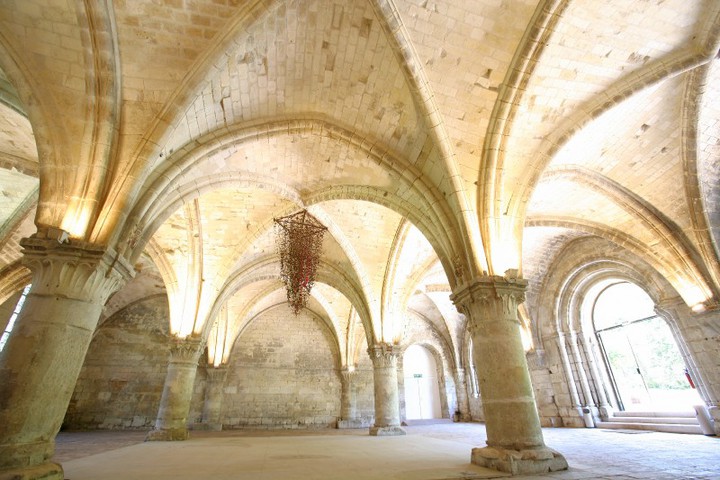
[{"x": 430, "y": 452}]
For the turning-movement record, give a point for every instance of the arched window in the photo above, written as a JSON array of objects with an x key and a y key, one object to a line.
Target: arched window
[
  {"x": 640, "y": 352},
  {"x": 13, "y": 317}
]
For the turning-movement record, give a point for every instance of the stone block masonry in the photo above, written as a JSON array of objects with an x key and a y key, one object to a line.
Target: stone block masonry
[
  {"x": 283, "y": 373},
  {"x": 121, "y": 381}
]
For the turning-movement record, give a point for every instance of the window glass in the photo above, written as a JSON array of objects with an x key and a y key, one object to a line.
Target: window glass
[
  {"x": 13, "y": 317},
  {"x": 621, "y": 303}
]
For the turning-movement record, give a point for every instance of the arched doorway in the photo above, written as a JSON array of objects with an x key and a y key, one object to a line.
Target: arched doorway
[
  {"x": 422, "y": 393},
  {"x": 640, "y": 353}
]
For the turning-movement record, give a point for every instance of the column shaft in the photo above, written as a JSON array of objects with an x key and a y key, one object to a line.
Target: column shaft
[
  {"x": 387, "y": 414},
  {"x": 171, "y": 423},
  {"x": 43, "y": 356},
  {"x": 515, "y": 442}
]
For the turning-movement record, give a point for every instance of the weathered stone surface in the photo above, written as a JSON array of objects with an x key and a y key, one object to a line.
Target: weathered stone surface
[
  {"x": 70, "y": 283},
  {"x": 280, "y": 380},
  {"x": 515, "y": 442},
  {"x": 172, "y": 418},
  {"x": 121, "y": 382},
  {"x": 519, "y": 462},
  {"x": 387, "y": 413}
]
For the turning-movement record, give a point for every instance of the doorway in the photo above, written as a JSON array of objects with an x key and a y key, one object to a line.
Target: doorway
[
  {"x": 642, "y": 358},
  {"x": 422, "y": 393}
]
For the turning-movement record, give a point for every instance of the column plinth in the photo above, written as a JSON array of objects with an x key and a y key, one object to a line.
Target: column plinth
[
  {"x": 43, "y": 357},
  {"x": 171, "y": 423},
  {"x": 515, "y": 442},
  {"x": 387, "y": 415}
]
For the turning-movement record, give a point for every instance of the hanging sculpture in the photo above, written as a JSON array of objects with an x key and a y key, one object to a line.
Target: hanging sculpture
[{"x": 299, "y": 242}]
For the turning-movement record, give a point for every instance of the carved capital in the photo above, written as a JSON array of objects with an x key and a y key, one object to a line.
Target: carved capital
[
  {"x": 186, "y": 350},
  {"x": 384, "y": 355},
  {"x": 216, "y": 374},
  {"x": 347, "y": 374},
  {"x": 78, "y": 270},
  {"x": 489, "y": 298}
]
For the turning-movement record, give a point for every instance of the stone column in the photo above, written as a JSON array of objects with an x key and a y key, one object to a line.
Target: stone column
[
  {"x": 515, "y": 442},
  {"x": 348, "y": 412},
  {"x": 606, "y": 410},
  {"x": 171, "y": 423},
  {"x": 463, "y": 404},
  {"x": 43, "y": 356},
  {"x": 212, "y": 408},
  {"x": 387, "y": 415}
]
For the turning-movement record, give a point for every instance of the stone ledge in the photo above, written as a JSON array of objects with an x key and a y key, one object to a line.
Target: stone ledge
[
  {"x": 519, "y": 462},
  {"x": 387, "y": 431}
]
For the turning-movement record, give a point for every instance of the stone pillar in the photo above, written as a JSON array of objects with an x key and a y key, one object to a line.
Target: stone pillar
[
  {"x": 589, "y": 408},
  {"x": 387, "y": 415},
  {"x": 463, "y": 404},
  {"x": 212, "y": 408},
  {"x": 348, "y": 412},
  {"x": 43, "y": 356},
  {"x": 171, "y": 423},
  {"x": 606, "y": 410},
  {"x": 514, "y": 438}
]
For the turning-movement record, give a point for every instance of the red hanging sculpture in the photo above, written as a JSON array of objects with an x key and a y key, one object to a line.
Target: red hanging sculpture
[{"x": 299, "y": 244}]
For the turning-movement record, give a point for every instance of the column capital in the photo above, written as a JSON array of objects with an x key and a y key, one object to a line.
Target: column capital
[
  {"x": 489, "y": 298},
  {"x": 216, "y": 374},
  {"x": 77, "y": 270},
  {"x": 347, "y": 373},
  {"x": 186, "y": 350},
  {"x": 384, "y": 354},
  {"x": 483, "y": 290}
]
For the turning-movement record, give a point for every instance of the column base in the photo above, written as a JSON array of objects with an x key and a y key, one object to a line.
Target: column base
[
  {"x": 44, "y": 471},
  {"x": 519, "y": 462},
  {"x": 714, "y": 412},
  {"x": 606, "y": 411},
  {"x": 167, "y": 435},
  {"x": 387, "y": 431}
]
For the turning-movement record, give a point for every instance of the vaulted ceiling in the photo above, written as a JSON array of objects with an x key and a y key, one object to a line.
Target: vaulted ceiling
[{"x": 435, "y": 140}]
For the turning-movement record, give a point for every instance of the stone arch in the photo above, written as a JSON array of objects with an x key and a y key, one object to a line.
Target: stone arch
[
  {"x": 37, "y": 108},
  {"x": 432, "y": 217},
  {"x": 444, "y": 360},
  {"x": 326, "y": 274},
  {"x": 582, "y": 267},
  {"x": 15, "y": 277},
  {"x": 660, "y": 264},
  {"x": 519, "y": 73},
  {"x": 697, "y": 91}
]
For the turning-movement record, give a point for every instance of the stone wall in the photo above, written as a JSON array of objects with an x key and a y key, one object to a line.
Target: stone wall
[
  {"x": 122, "y": 379},
  {"x": 283, "y": 373}
]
